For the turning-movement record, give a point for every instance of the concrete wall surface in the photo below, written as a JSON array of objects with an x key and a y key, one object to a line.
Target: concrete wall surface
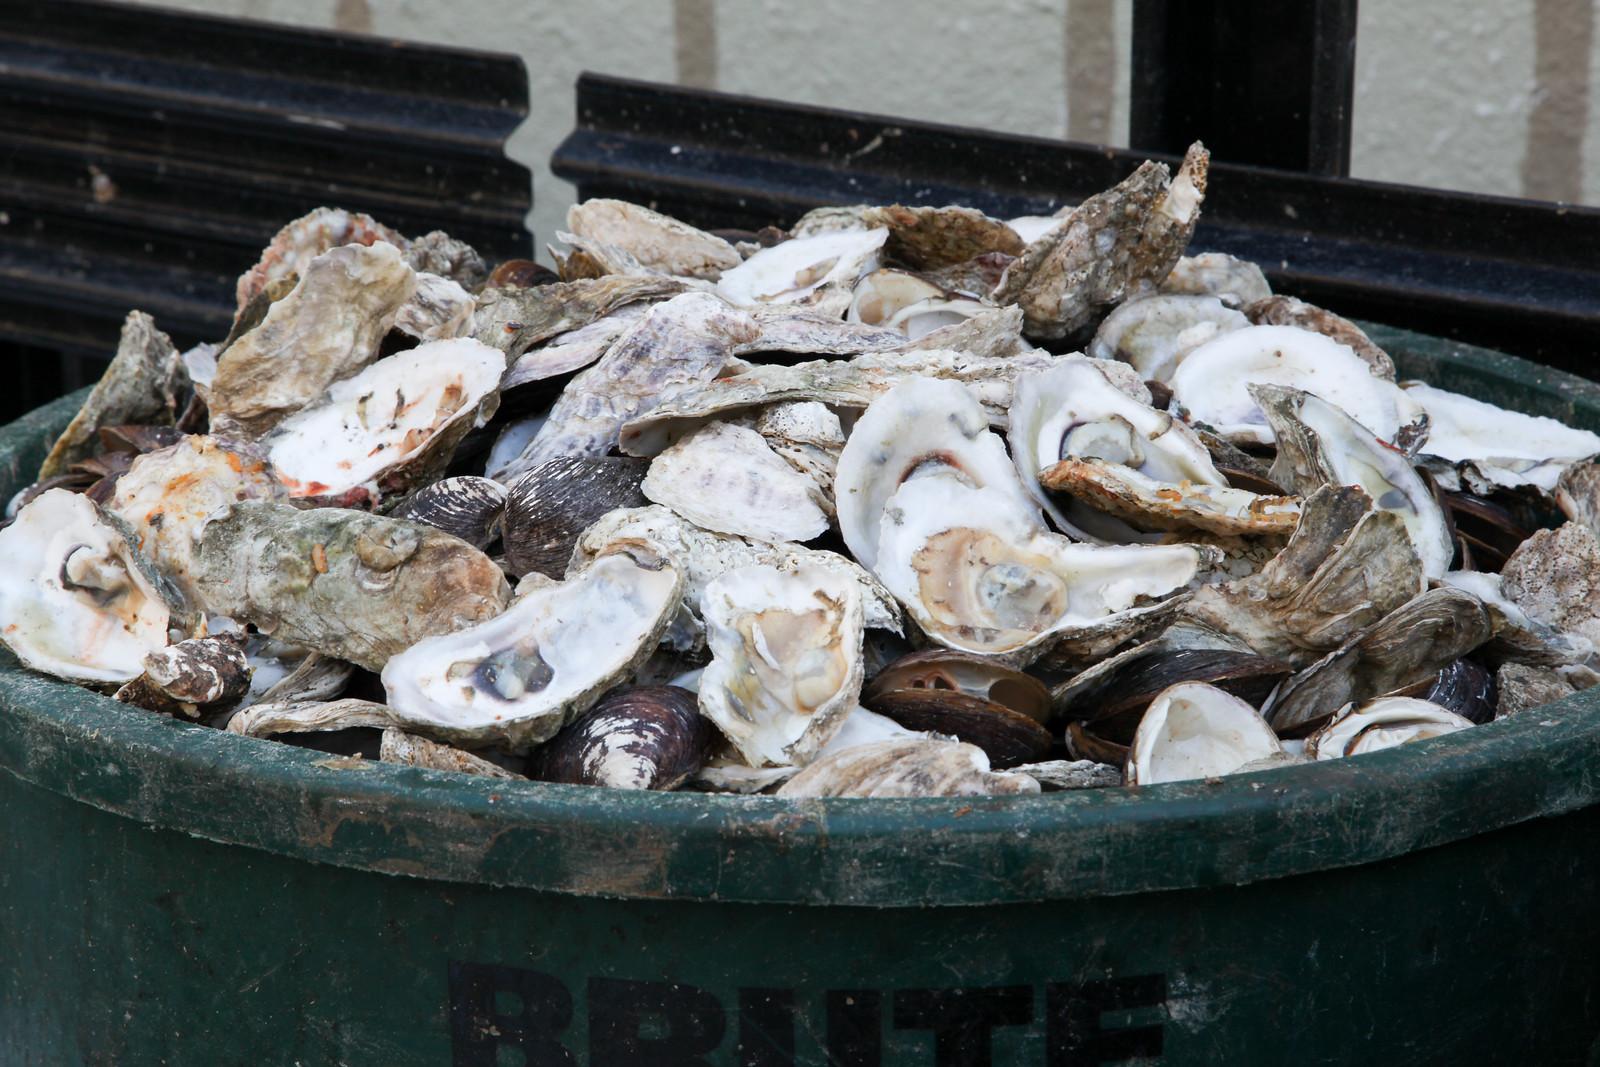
[{"x": 1493, "y": 96}]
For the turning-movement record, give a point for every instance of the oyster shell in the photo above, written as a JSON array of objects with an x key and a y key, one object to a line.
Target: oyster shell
[
  {"x": 1521, "y": 686},
  {"x": 312, "y": 716},
  {"x": 1193, "y": 730},
  {"x": 327, "y": 328},
  {"x": 1234, "y": 281},
  {"x": 1319, "y": 444},
  {"x": 920, "y": 426},
  {"x": 1123, "y": 493},
  {"x": 1380, "y": 724},
  {"x": 466, "y": 507},
  {"x": 658, "y": 242},
  {"x": 1346, "y": 567},
  {"x": 76, "y": 599},
  {"x": 810, "y": 438},
  {"x": 786, "y": 663},
  {"x": 725, "y": 478},
  {"x": 927, "y": 238},
  {"x": 436, "y": 252},
  {"x": 978, "y": 575},
  {"x": 818, "y": 270},
  {"x": 1288, "y": 311},
  {"x": 1555, "y": 578},
  {"x": 516, "y": 678},
  {"x": 683, "y": 341},
  {"x": 573, "y": 350},
  {"x": 141, "y": 385},
  {"x": 514, "y": 320},
  {"x": 439, "y": 310},
  {"x": 796, "y": 328},
  {"x": 190, "y": 675},
  {"x": 1212, "y": 384},
  {"x": 1114, "y": 245},
  {"x": 1497, "y": 447},
  {"x": 910, "y": 767},
  {"x": 1153, "y": 334},
  {"x": 704, "y": 555},
  {"x": 1518, "y": 636},
  {"x": 306, "y": 238},
  {"x": 356, "y": 586},
  {"x": 548, "y": 506},
  {"x": 1407, "y": 647},
  {"x": 1054, "y": 775},
  {"x": 389, "y": 428},
  {"x": 645, "y": 737},
  {"x": 398, "y": 746},
  {"x": 908, "y": 303}
]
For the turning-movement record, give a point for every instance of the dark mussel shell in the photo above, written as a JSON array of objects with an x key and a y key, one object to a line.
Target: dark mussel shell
[
  {"x": 470, "y": 508},
  {"x": 643, "y": 737},
  {"x": 1124, "y": 692},
  {"x": 1082, "y": 743},
  {"x": 520, "y": 274},
  {"x": 1488, "y": 530},
  {"x": 1462, "y": 686},
  {"x": 550, "y": 505},
  {"x": 1008, "y": 737},
  {"x": 977, "y": 676}
]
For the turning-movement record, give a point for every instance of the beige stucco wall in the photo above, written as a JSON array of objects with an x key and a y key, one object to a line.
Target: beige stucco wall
[{"x": 1495, "y": 96}]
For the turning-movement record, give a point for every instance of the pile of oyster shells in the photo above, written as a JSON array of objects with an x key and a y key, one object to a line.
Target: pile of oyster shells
[{"x": 809, "y": 512}]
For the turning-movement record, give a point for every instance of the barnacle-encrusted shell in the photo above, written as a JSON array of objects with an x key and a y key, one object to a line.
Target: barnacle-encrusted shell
[
  {"x": 352, "y": 585},
  {"x": 516, "y": 678},
  {"x": 1153, "y": 334},
  {"x": 786, "y": 664},
  {"x": 1380, "y": 724},
  {"x": 1212, "y": 384},
  {"x": 684, "y": 341},
  {"x": 1194, "y": 730},
  {"x": 1498, "y": 447},
  {"x": 657, "y": 241},
  {"x": 909, "y": 767},
  {"x": 1319, "y": 444},
  {"x": 1555, "y": 577},
  {"x": 327, "y": 328},
  {"x": 726, "y": 478},
  {"x": 704, "y": 555},
  {"x": 1234, "y": 281},
  {"x": 390, "y": 427},
  {"x": 76, "y": 600},
  {"x": 919, "y": 426},
  {"x": 140, "y": 386},
  {"x": 1114, "y": 245}
]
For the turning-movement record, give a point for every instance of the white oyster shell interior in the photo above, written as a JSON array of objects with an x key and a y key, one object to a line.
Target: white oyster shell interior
[
  {"x": 793, "y": 270},
  {"x": 1507, "y": 447},
  {"x": 1193, "y": 730},
  {"x": 1153, "y": 334},
  {"x": 1382, "y": 723},
  {"x": 726, "y": 478}
]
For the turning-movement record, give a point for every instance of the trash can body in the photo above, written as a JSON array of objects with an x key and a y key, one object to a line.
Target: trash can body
[{"x": 171, "y": 894}]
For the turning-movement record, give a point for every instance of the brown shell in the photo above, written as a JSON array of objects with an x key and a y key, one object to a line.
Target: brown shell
[
  {"x": 549, "y": 506},
  {"x": 1082, "y": 744},
  {"x": 514, "y": 320},
  {"x": 190, "y": 675},
  {"x": 1008, "y": 737},
  {"x": 930, "y": 238},
  {"x": 644, "y": 737},
  {"x": 1129, "y": 689},
  {"x": 521, "y": 274},
  {"x": 962, "y": 672}
]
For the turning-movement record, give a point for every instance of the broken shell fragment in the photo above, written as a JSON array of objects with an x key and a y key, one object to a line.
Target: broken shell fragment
[
  {"x": 645, "y": 737},
  {"x": 786, "y": 664},
  {"x": 1145, "y": 504},
  {"x": 436, "y": 252},
  {"x": 517, "y": 678},
  {"x": 398, "y": 746},
  {"x": 440, "y": 309},
  {"x": 515, "y": 319},
  {"x": 906, "y": 768},
  {"x": 190, "y": 675},
  {"x": 466, "y": 507},
  {"x": 1212, "y": 384},
  {"x": 726, "y": 478},
  {"x": 1193, "y": 730},
  {"x": 76, "y": 599},
  {"x": 1058, "y": 775},
  {"x": 355, "y": 586},
  {"x": 1555, "y": 578},
  {"x": 1236, "y": 282},
  {"x": 390, "y": 427},
  {"x": 550, "y": 505},
  {"x": 1379, "y": 724}
]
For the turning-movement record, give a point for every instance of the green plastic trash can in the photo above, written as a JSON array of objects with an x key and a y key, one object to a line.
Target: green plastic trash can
[{"x": 175, "y": 895}]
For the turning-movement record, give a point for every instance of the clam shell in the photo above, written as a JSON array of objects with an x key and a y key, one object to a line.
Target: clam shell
[
  {"x": 1193, "y": 730},
  {"x": 1379, "y": 724}
]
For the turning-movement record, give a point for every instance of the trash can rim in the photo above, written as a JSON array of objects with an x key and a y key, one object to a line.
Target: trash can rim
[{"x": 871, "y": 852}]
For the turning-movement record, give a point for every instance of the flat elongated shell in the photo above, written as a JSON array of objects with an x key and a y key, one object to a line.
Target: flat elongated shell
[
  {"x": 1071, "y": 774},
  {"x": 906, "y": 768},
  {"x": 657, "y": 241},
  {"x": 1288, "y": 311},
  {"x": 1236, "y": 282},
  {"x": 311, "y": 716},
  {"x": 1319, "y": 444},
  {"x": 1151, "y": 505},
  {"x": 307, "y": 237},
  {"x": 1153, "y": 334},
  {"x": 684, "y": 341},
  {"x": 786, "y": 664},
  {"x": 76, "y": 601},
  {"x": 1212, "y": 384},
  {"x": 356, "y": 586},
  {"x": 797, "y": 328},
  {"x": 400, "y": 747},
  {"x": 643, "y": 737},
  {"x": 514, "y": 320},
  {"x": 726, "y": 478},
  {"x": 1114, "y": 245},
  {"x": 516, "y": 678},
  {"x": 919, "y": 426},
  {"x": 1502, "y": 447},
  {"x": 1380, "y": 724},
  {"x": 140, "y": 386},
  {"x": 804, "y": 268},
  {"x": 392, "y": 426},
  {"x": 1193, "y": 730},
  {"x": 927, "y": 238},
  {"x": 169, "y": 495},
  {"x": 572, "y": 350},
  {"x": 704, "y": 555},
  {"x": 326, "y": 329}
]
